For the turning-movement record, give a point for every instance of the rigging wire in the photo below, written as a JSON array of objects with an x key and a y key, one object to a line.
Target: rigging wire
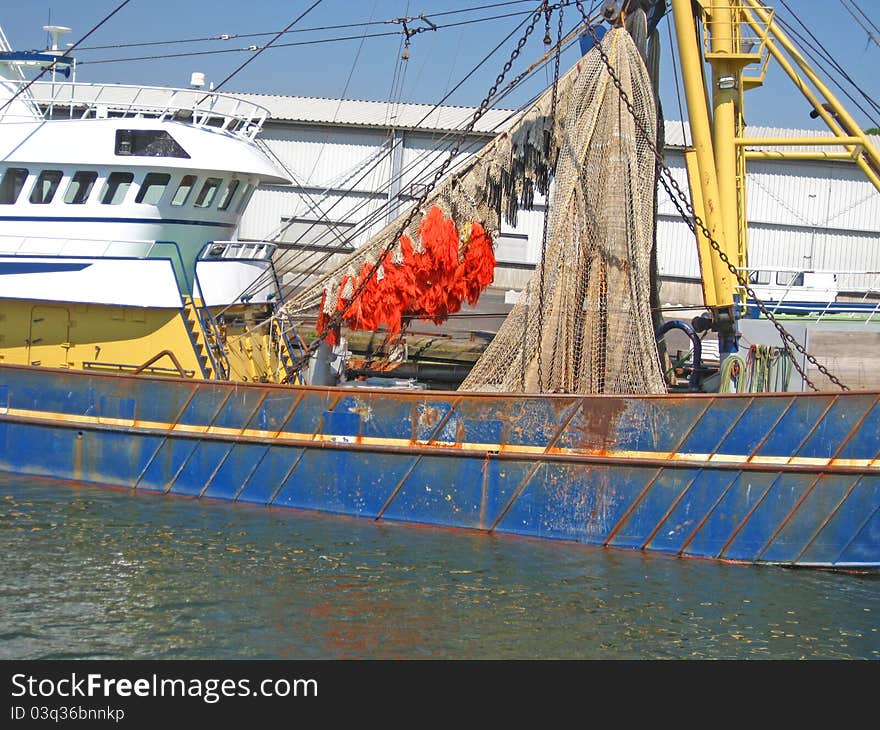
[
  {"x": 230, "y": 36},
  {"x": 335, "y": 39},
  {"x": 871, "y": 36},
  {"x": 454, "y": 59},
  {"x": 830, "y": 59},
  {"x": 816, "y": 46},
  {"x": 672, "y": 53},
  {"x": 66, "y": 53},
  {"x": 277, "y": 36},
  {"x": 830, "y": 74},
  {"x": 864, "y": 15},
  {"x": 189, "y": 54}
]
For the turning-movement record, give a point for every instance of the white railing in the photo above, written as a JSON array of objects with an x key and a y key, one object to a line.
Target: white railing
[
  {"x": 238, "y": 250},
  {"x": 4, "y": 42},
  {"x": 200, "y": 108}
]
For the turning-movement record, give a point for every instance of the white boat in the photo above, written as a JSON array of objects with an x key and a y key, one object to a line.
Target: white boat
[
  {"x": 812, "y": 294},
  {"x": 120, "y": 204}
]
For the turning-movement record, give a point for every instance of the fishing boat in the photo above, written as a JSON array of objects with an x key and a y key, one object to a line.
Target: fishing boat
[
  {"x": 143, "y": 347},
  {"x": 811, "y": 293}
]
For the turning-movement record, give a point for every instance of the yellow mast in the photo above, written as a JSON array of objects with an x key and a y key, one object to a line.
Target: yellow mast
[
  {"x": 847, "y": 132},
  {"x": 705, "y": 179},
  {"x": 736, "y": 34},
  {"x": 726, "y": 64},
  {"x": 712, "y": 165}
]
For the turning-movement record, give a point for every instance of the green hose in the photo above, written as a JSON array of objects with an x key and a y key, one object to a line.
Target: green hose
[
  {"x": 728, "y": 378},
  {"x": 765, "y": 369}
]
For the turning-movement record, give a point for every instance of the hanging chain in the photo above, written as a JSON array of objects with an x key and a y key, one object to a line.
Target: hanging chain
[
  {"x": 548, "y": 14},
  {"x": 547, "y": 200},
  {"x": 787, "y": 338},
  {"x": 337, "y": 317}
]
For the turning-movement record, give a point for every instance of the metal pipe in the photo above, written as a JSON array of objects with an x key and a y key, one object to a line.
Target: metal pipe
[
  {"x": 725, "y": 113},
  {"x": 701, "y": 134},
  {"x": 797, "y": 141},
  {"x": 838, "y": 119},
  {"x": 696, "y": 372},
  {"x": 780, "y": 155}
]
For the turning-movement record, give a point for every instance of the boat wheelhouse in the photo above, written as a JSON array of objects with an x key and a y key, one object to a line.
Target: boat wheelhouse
[{"x": 119, "y": 207}]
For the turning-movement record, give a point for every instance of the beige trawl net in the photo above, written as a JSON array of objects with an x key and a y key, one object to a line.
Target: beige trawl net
[{"x": 583, "y": 324}]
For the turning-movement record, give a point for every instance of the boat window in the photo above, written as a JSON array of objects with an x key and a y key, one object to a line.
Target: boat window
[
  {"x": 187, "y": 183},
  {"x": 152, "y": 188},
  {"x": 79, "y": 187},
  {"x": 759, "y": 277},
  {"x": 207, "y": 193},
  {"x": 45, "y": 187},
  {"x": 228, "y": 195},
  {"x": 147, "y": 143},
  {"x": 115, "y": 187},
  {"x": 11, "y": 184},
  {"x": 789, "y": 278},
  {"x": 245, "y": 198}
]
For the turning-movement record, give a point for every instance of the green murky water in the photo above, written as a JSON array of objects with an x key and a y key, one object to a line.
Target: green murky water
[{"x": 95, "y": 573}]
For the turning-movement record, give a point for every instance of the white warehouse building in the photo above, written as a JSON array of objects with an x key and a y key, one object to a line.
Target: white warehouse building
[{"x": 348, "y": 159}]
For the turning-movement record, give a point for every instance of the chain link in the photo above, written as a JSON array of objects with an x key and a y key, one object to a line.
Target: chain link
[
  {"x": 787, "y": 338},
  {"x": 337, "y": 317},
  {"x": 546, "y": 206}
]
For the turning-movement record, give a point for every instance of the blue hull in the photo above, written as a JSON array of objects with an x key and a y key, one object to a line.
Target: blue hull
[{"x": 790, "y": 479}]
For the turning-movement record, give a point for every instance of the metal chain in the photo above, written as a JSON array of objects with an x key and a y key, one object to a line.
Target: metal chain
[
  {"x": 336, "y": 317},
  {"x": 787, "y": 338},
  {"x": 546, "y": 205}
]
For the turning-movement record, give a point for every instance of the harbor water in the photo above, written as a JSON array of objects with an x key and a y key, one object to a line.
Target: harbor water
[{"x": 95, "y": 573}]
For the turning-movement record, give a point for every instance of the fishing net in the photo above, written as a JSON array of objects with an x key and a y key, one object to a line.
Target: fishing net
[
  {"x": 583, "y": 324},
  {"x": 463, "y": 211}
]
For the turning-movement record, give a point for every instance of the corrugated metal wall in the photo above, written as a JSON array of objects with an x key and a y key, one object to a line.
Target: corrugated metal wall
[{"x": 819, "y": 215}]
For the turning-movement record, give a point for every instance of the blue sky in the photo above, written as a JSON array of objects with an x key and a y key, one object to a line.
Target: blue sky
[{"x": 370, "y": 67}]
